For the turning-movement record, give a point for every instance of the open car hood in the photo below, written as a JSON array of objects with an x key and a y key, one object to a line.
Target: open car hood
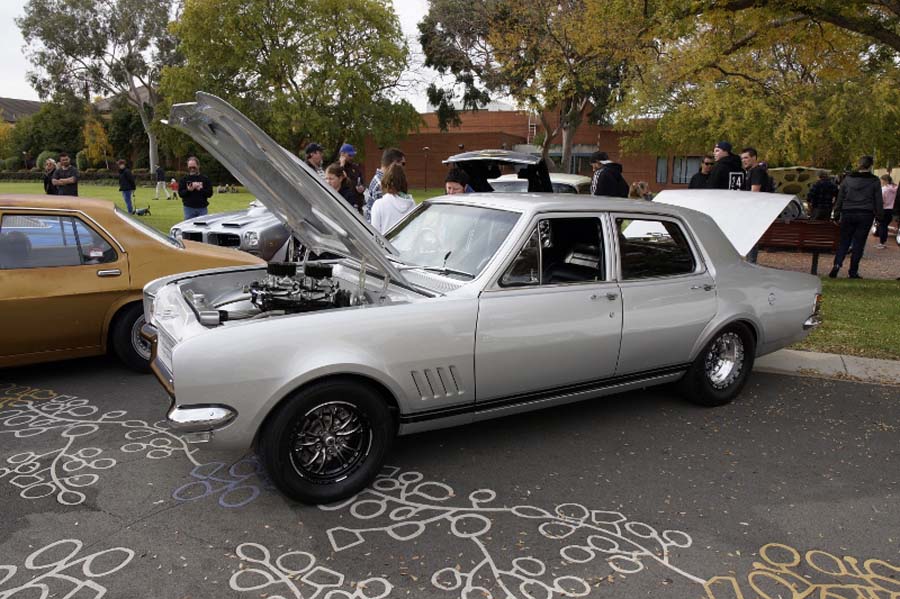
[
  {"x": 482, "y": 165},
  {"x": 743, "y": 216},
  {"x": 321, "y": 219}
]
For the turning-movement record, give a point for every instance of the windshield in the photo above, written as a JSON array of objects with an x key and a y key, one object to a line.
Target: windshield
[
  {"x": 452, "y": 238},
  {"x": 148, "y": 230}
]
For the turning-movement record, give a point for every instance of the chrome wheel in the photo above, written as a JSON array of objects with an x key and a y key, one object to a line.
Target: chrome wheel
[
  {"x": 725, "y": 360},
  {"x": 329, "y": 442},
  {"x": 141, "y": 347}
]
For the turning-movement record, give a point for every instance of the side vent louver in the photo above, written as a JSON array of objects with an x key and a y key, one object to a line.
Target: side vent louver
[{"x": 438, "y": 382}]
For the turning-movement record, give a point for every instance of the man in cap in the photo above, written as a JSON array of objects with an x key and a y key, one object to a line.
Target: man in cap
[
  {"x": 314, "y": 158},
  {"x": 607, "y": 179},
  {"x": 727, "y": 172},
  {"x": 355, "y": 175}
]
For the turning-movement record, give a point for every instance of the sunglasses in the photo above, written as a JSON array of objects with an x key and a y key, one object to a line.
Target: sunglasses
[{"x": 708, "y": 163}]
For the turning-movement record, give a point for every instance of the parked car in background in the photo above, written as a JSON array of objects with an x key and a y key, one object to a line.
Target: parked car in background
[
  {"x": 254, "y": 230},
  {"x": 561, "y": 183},
  {"x": 484, "y": 166},
  {"x": 474, "y": 306},
  {"x": 71, "y": 274}
]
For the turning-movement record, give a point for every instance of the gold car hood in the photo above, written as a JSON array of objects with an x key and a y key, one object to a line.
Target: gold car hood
[{"x": 320, "y": 218}]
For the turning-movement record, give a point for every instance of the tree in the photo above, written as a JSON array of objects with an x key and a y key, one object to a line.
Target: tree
[
  {"x": 113, "y": 47},
  {"x": 55, "y": 126},
  {"x": 96, "y": 143},
  {"x": 534, "y": 52},
  {"x": 126, "y": 132},
  {"x": 800, "y": 91},
  {"x": 6, "y": 139},
  {"x": 305, "y": 70}
]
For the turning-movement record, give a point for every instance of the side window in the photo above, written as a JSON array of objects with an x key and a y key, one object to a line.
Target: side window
[
  {"x": 653, "y": 248},
  {"x": 526, "y": 268},
  {"x": 93, "y": 248},
  {"x": 559, "y": 250},
  {"x": 43, "y": 241}
]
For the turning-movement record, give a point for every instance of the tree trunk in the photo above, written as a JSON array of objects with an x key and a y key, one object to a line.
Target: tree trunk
[
  {"x": 569, "y": 122},
  {"x": 548, "y": 139},
  {"x": 134, "y": 98}
]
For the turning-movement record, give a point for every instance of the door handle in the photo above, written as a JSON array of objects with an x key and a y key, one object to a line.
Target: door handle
[
  {"x": 612, "y": 296},
  {"x": 112, "y": 272},
  {"x": 706, "y": 287}
]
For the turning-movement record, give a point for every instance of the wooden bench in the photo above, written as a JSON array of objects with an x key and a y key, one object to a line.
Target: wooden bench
[{"x": 803, "y": 235}]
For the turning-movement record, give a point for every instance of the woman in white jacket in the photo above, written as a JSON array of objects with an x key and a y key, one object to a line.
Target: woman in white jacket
[{"x": 396, "y": 201}]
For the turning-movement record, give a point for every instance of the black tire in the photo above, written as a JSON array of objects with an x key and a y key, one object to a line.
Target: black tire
[
  {"x": 126, "y": 341},
  {"x": 308, "y": 425},
  {"x": 721, "y": 369}
]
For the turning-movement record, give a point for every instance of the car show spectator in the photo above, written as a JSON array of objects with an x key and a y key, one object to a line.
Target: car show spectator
[
  {"x": 396, "y": 202},
  {"x": 698, "y": 181},
  {"x": 727, "y": 172},
  {"x": 126, "y": 184},
  {"x": 374, "y": 192},
  {"x": 859, "y": 203},
  {"x": 756, "y": 175},
  {"x": 195, "y": 189},
  {"x": 457, "y": 181},
  {"x": 607, "y": 179},
  {"x": 314, "y": 157},
  {"x": 49, "y": 187},
  {"x": 354, "y": 173},
  {"x": 65, "y": 177},
  {"x": 160, "y": 175},
  {"x": 821, "y": 196},
  {"x": 889, "y": 198},
  {"x": 336, "y": 178}
]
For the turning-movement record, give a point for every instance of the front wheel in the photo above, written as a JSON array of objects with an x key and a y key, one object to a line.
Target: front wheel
[
  {"x": 720, "y": 371},
  {"x": 126, "y": 338},
  {"x": 327, "y": 442}
]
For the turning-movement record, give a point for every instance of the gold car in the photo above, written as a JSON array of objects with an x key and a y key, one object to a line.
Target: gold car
[{"x": 72, "y": 271}]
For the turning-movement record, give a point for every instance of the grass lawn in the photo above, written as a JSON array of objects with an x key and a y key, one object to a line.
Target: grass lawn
[
  {"x": 164, "y": 214},
  {"x": 861, "y": 317}
]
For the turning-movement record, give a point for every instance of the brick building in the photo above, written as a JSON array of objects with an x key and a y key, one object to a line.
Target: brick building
[{"x": 500, "y": 126}]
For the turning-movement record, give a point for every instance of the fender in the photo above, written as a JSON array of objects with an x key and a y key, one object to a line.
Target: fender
[
  {"x": 719, "y": 322},
  {"x": 128, "y": 298}
]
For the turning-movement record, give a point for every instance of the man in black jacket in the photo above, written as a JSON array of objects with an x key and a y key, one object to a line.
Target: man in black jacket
[
  {"x": 195, "y": 190},
  {"x": 607, "y": 179},
  {"x": 126, "y": 184},
  {"x": 728, "y": 172},
  {"x": 821, "y": 197},
  {"x": 859, "y": 203},
  {"x": 698, "y": 181}
]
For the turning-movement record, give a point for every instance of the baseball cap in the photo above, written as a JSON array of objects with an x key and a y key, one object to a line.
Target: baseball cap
[
  {"x": 724, "y": 145},
  {"x": 348, "y": 149},
  {"x": 313, "y": 148},
  {"x": 599, "y": 157}
]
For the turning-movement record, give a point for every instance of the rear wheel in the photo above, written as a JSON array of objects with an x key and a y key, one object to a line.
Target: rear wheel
[
  {"x": 126, "y": 338},
  {"x": 327, "y": 442},
  {"x": 720, "y": 371}
]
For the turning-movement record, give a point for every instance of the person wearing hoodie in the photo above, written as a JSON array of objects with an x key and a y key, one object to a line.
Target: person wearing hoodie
[
  {"x": 858, "y": 204},
  {"x": 607, "y": 179},
  {"x": 727, "y": 172},
  {"x": 888, "y": 199},
  {"x": 395, "y": 202}
]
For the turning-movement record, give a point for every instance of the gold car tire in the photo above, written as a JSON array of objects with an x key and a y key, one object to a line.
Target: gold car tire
[
  {"x": 328, "y": 441},
  {"x": 721, "y": 369},
  {"x": 126, "y": 341}
]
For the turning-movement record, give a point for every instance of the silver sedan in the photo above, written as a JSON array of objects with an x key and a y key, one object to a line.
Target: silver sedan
[{"x": 472, "y": 307}]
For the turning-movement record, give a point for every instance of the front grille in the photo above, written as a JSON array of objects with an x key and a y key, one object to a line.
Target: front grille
[
  {"x": 225, "y": 239},
  {"x": 192, "y": 235}
]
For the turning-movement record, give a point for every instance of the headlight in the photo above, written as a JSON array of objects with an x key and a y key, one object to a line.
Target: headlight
[
  {"x": 149, "y": 307},
  {"x": 175, "y": 233},
  {"x": 251, "y": 238}
]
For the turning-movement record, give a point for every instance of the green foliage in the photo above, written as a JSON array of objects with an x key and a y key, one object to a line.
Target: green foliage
[
  {"x": 304, "y": 70},
  {"x": 97, "y": 148},
  {"x": 43, "y": 156},
  {"x": 56, "y": 126},
  {"x": 125, "y": 131},
  {"x": 81, "y": 161},
  {"x": 12, "y": 163},
  {"x": 6, "y": 139},
  {"x": 800, "y": 91}
]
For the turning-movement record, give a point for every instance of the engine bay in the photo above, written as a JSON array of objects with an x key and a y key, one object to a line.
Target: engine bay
[{"x": 313, "y": 289}]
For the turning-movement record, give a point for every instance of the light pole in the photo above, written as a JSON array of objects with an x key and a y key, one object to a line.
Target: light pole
[{"x": 426, "y": 149}]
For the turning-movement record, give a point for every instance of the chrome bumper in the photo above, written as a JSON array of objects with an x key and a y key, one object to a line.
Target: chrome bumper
[{"x": 196, "y": 422}]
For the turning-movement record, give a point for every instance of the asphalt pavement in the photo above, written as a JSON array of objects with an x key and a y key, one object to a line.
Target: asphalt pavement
[{"x": 791, "y": 491}]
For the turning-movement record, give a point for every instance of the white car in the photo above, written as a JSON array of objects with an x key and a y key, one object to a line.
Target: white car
[
  {"x": 472, "y": 307},
  {"x": 561, "y": 182}
]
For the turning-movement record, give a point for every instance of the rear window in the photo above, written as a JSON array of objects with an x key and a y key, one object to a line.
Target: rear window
[{"x": 653, "y": 248}]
